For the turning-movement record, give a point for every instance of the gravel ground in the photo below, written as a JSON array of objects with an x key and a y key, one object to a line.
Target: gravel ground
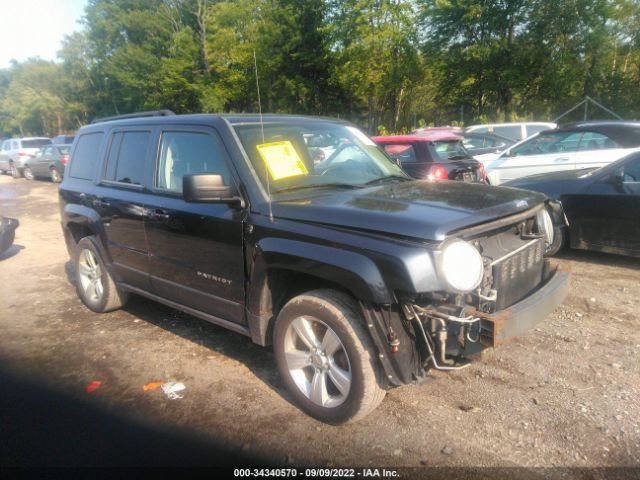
[{"x": 564, "y": 395}]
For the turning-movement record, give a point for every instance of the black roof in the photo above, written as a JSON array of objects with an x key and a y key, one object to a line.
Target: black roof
[
  {"x": 164, "y": 116},
  {"x": 624, "y": 133}
]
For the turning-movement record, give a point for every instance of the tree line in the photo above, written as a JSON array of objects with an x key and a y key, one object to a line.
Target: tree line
[{"x": 388, "y": 65}]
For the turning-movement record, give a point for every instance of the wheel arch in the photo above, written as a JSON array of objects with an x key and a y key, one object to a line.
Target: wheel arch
[
  {"x": 79, "y": 222},
  {"x": 283, "y": 269}
]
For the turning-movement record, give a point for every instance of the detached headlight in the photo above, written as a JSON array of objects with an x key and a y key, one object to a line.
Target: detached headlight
[
  {"x": 462, "y": 267},
  {"x": 545, "y": 226}
]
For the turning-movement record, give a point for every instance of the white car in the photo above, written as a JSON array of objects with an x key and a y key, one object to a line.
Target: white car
[
  {"x": 515, "y": 131},
  {"x": 576, "y": 146},
  {"x": 16, "y": 151}
]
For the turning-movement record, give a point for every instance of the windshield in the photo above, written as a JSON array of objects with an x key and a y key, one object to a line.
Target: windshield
[
  {"x": 315, "y": 155},
  {"x": 450, "y": 150}
]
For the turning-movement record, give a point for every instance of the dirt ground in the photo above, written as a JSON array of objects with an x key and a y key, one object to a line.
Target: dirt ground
[{"x": 566, "y": 394}]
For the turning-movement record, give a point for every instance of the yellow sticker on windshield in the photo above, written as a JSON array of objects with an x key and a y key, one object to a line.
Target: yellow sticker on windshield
[{"x": 282, "y": 160}]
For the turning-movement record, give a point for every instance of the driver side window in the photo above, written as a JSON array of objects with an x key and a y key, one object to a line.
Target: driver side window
[{"x": 184, "y": 153}]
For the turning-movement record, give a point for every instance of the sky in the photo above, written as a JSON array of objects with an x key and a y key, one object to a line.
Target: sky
[{"x": 35, "y": 28}]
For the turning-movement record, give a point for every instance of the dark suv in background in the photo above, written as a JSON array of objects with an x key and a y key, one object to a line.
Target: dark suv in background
[{"x": 361, "y": 278}]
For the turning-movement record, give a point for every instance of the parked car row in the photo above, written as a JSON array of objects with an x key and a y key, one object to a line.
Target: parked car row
[
  {"x": 589, "y": 168},
  {"x": 33, "y": 157}
]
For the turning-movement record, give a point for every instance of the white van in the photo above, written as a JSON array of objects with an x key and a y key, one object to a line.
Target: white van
[{"x": 513, "y": 131}]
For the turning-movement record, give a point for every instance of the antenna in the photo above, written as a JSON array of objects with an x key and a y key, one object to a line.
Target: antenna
[{"x": 255, "y": 65}]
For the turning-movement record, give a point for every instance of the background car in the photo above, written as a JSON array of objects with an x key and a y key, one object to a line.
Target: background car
[
  {"x": 63, "y": 139},
  {"x": 16, "y": 150},
  {"x": 515, "y": 131},
  {"x": 575, "y": 146},
  {"x": 602, "y": 205},
  {"x": 49, "y": 161},
  {"x": 435, "y": 156},
  {"x": 483, "y": 143},
  {"x": 444, "y": 128}
]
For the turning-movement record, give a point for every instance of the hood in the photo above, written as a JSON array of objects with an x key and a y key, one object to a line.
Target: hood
[
  {"x": 555, "y": 183},
  {"x": 417, "y": 209}
]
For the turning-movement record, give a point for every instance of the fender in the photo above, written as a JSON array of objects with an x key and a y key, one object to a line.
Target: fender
[
  {"x": 353, "y": 271},
  {"x": 556, "y": 212},
  {"x": 88, "y": 218}
]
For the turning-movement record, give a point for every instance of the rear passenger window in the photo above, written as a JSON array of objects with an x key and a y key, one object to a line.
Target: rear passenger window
[
  {"x": 127, "y": 156},
  {"x": 596, "y": 141},
  {"x": 85, "y": 155},
  {"x": 402, "y": 152},
  {"x": 184, "y": 153}
]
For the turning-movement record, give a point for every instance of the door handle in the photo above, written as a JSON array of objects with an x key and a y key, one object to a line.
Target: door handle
[
  {"x": 158, "y": 214},
  {"x": 562, "y": 159},
  {"x": 98, "y": 202}
]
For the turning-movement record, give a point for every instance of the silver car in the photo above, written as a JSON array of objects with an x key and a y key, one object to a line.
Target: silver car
[{"x": 16, "y": 151}]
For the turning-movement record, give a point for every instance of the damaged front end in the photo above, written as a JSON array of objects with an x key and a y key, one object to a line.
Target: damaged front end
[
  {"x": 451, "y": 334},
  {"x": 519, "y": 287}
]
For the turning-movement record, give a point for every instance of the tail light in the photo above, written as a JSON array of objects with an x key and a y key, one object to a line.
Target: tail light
[
  {"x": 438, "y": 172},
  {"x": 65, "y": 159},
  {"x": 483, "y": 172}
]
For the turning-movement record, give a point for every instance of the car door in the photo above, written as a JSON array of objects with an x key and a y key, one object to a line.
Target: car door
[
  {"x": 546, "y": 152},
  {"x": 597, "y": 150},
  {"x": 120, "y": 201},
  {"x": 196, "y": 249},
  {"x": 40, "y": 162},
  {"x": 606, "y": 216}
]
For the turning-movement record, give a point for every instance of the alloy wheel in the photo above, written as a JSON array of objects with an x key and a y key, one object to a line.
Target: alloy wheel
[
  {"x": 317, "y": 361},
  {"x": 90, "y": 275}
]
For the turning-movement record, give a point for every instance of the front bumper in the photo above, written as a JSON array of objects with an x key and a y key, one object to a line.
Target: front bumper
[{"x": 518, "y": 318}]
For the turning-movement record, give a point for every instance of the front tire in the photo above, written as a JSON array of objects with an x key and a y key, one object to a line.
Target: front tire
[
  {"x": 94, "y": 284},
  {"x": 326, "y": 358},
  {"x": 560, "y": 237},
  {"x": 28, "y": 174},
  {"x": 15, "y": 171}
]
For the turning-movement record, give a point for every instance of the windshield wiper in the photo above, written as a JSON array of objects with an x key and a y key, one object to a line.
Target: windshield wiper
[
  {"x": 382, "y": 180},
  {"x": 317, "y": 185}
]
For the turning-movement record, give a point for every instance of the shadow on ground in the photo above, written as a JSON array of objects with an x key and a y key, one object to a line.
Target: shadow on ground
[{"x": 43, "y": 427}]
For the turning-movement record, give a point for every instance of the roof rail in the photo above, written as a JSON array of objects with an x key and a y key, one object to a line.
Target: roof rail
[{"x": 150, "y": 113}]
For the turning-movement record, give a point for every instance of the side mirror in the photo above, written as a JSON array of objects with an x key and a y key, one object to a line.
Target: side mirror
[
  {"x": 208, "y": 188},
  {"x": 617, "y": 179}
]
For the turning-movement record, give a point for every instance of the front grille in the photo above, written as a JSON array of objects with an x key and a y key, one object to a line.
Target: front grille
[{"x": 517, "y": 273}]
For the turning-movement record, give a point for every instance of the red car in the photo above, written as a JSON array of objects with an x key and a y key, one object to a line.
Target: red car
[{"x": 439, "y": 155}]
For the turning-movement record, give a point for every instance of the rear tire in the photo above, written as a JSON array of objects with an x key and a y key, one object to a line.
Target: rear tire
[
  {"x": 326, "y": 358},
  {"x": 55, "y": 176},
  {"x": 28, "y": 174},
  {"x": 94, "y": 284}
]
